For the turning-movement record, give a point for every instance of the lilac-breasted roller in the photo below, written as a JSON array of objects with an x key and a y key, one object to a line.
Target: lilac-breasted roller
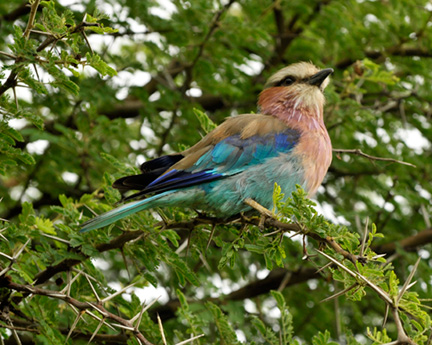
[{"x": 286, "y": 143}]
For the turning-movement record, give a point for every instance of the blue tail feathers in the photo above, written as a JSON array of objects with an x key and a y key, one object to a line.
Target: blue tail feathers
[{"x": 121, "y": 212}]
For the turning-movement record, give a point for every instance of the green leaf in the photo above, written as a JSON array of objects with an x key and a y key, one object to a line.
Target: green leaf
[
  {"x": 226, "y": 332},
  {"x": 323, "y": 339},
  {"x": 206, "y": 123},
  {"x": 45, "y": 225}
]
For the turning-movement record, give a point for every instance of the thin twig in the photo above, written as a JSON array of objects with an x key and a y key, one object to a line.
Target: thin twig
[
  {"x": 213, "y": 25},
  {"x": 359, "y": 152},
  {"x": 259, "y": 208},
  {"x": 82, "y": 306},
  {"x": 8, "y": 55}
]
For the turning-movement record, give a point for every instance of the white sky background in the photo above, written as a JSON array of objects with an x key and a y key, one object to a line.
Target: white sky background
[{"x": 125, "y": 79}]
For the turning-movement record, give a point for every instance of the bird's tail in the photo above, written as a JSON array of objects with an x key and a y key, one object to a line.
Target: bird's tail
[{"x": 122, "y": 212}]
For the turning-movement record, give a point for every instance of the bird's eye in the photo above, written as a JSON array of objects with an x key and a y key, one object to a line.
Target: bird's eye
[{"x": 287, "y": 81}]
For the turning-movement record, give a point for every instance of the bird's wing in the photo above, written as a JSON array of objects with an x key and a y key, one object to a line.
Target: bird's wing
[
  {"x": 227, "y": 151},
  {"x": 151, "y": 170}
]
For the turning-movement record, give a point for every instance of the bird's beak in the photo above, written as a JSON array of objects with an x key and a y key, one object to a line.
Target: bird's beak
[{"x": 318, "y": 78}]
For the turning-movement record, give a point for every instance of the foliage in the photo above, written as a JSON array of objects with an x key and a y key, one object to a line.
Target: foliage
[{"x": 85, "y": 97}]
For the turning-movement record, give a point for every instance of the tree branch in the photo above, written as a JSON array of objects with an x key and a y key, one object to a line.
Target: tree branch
[
  {"x": 83, "y": 306},
  {"x": 395, "y": 51},
  {"x": 359, "y": 152},
  {"x": 213, "y": 26},
  {"x": 410, "y": 243},
  {"x": 20, "y": 11},
  {"x": 11, "y": 80},
  {"x": 251, "y": 290},
  {"x": 33, "y": 10}
]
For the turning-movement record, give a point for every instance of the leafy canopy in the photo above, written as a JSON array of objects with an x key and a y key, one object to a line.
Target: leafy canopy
[{"x": 85, "y": 97}]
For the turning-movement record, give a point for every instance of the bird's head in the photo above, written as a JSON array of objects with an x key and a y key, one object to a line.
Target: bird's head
[{"x": 298, "y": 87}]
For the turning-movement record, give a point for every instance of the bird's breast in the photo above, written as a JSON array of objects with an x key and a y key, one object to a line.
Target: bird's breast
[{"x": 315, "y": 151}]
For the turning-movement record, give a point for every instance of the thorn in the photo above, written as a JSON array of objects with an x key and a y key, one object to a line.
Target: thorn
[
  {"x": 407, "y": 285},
  {"x": 21, "y": 250},
  {"x": 386, "y": 315},
  {"x": 211, "y": 236},
  {"x": 106, "y": 299},
  {"x": 296, "y": 233},
  {"x": 56, "y": 295},
  {"x": 161, "y": 329},
  {"x": 305, "y": 252},
  {"x": 93, "y": 289},
  {"x": 379, "y": 256},
  {"x": 15, "y": 97},
  {"x": 426, "y": 216},
  {"x": 7, "y": 256},
  {"x": 74, "y": 325},
  {"x": 1, "y": 235},
  {"x": 87, "y": 41},
  {"x": 55, "y": 238},
  {"x": 15, "y": 334},
  {"x": 324, "y": 267},
  {"x": 88, "y": 208},
  {"x": 377, "y": 289},
  {"x": 125, "y": 262},
  {"x": 204, "y": 261},
  {"x": 411, "y": 285},
  {"x": 139, "y": 315},
  {"x": 188, "y": 243},
  {"x": 100, "y": 319},
  {"x": 5, "y": 270},
  {"x": 337, "y": 294},
  {"x": 96, "y": 330},
  {"x": 271, "y": 233},
  {"x": 86, "y": 274},
  {"x": 364, "y": 237},
  {"x": 95, "y": 307},
  {"x": 36, "y": 71},
  {"x": 190, "y": 340},
  {"x": 181, "y": 247},
  {"x": 285, "y": 281},
  {"x": 70, "y": 282},
  {"x": 76, "y": 311},
  {"x": 123, "y": 326}
]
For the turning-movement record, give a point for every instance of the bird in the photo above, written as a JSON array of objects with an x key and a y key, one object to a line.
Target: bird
[{"x": 285, "y": 142}]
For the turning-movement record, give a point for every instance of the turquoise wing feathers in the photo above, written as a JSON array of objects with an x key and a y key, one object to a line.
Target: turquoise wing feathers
[{"x": 228, "y": 157}]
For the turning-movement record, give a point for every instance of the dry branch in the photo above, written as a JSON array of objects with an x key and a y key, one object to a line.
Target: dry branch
[
  {"x": 359, "y": 152},
  {"x": 82, "y": 306}
]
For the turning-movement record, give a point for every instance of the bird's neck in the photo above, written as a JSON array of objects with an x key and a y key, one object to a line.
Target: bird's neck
[{"x": 297, "y": 111}]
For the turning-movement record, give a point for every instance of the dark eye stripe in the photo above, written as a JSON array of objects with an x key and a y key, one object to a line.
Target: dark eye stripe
[{"x": 287, "y": 81}]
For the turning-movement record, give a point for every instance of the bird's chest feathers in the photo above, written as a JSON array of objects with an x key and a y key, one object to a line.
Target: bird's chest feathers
[
  {"x": 315, "y": 150},
  {"x": 302, "y": 113}
]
